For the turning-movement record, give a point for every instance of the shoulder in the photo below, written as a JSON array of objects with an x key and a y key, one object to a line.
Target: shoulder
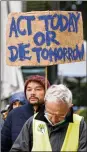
[
  {"x": 14, "y": 112},
  {"x": 20, "y": 108},
  {"x": 28, "y": 124},
  {"x": 29, "y": 121},
  {"x": 26, "y": 107},
  {"x": 83, "y": 124}
]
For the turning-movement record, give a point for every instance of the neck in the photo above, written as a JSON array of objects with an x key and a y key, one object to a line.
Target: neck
[{"x": 35, "y": 108}]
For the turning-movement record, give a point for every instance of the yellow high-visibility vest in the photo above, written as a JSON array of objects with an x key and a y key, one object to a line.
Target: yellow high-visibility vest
[{"x": 41, "y": 140}]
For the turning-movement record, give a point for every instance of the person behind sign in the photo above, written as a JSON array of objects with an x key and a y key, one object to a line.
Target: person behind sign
[
  {"x": 57, "y": 127},
  {"x": 34, "y": 91},
  {"x": 16, "y": 100}
]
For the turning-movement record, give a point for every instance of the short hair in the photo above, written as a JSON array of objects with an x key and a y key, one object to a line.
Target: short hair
[
  {"x": 57, "y": 93},
  {"x": 36, "y": 78}
]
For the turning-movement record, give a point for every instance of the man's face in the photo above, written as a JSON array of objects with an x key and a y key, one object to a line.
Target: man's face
[
  {"x": 56, "y": 111},
  {"x": 35, "y": 93}
]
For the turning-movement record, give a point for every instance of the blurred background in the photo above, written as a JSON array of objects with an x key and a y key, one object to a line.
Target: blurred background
[{"x": 74, "y": 75}]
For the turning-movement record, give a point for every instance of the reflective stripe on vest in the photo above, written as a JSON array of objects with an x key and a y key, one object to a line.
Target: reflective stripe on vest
[
  {"x": 41, "y": 140},
  {"x": 72, "y": 135}
]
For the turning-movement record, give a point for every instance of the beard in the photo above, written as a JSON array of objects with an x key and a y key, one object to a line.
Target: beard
[{"x": 34, "y": 101}]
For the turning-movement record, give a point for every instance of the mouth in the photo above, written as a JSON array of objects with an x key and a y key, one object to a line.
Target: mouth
[{"x": 33, "y": 99}]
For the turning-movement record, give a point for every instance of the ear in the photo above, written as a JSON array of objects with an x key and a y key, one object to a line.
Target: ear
[{"x": 71, "y": 105}]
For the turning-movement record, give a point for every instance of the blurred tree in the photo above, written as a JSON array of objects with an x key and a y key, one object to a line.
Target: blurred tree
[
  {"x": 79, "y": 91},
  {"x": 37, "y": 6},
  {"x": 77, "y": 6},
  {"x": 83, "y": 112}
]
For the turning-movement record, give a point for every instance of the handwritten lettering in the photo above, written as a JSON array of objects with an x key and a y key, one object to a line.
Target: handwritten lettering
[
  {"x": 47, "y": 36},
  {"x": 19, "y": 53},
  {"x": 46, "y": 54},
  {"x": 71, "y": 22},
  {"x": 15, "y": 26},
  {"x": 48, "y": 39}
]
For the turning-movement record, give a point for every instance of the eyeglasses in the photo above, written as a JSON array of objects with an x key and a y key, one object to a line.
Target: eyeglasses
[{"x": 59, "y": 116}]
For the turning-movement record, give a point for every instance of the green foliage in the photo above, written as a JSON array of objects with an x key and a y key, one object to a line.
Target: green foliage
[
  {"x": 83, "y": 112},
  {"x": 37, "y": 6},
  {"x": 79, "y": 90}
]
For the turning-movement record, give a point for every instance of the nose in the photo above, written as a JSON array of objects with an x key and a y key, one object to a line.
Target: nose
[
  {"x": 17, "y": 105},
  {"x": 33, "y": 91},
  {"x": 54, "y": 119}
]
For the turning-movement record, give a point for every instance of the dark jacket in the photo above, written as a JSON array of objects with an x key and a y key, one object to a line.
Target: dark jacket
[
  {"x": 1, "y": 123},
  {"x": 24, "y": 141},
  {"x": 13, "y": 125}
]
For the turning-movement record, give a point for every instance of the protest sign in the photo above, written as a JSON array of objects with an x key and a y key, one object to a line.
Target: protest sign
[{"x": 43, "y": 38}]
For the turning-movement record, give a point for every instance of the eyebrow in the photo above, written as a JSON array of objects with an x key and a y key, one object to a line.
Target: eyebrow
[{"x": 35, "y": 87}]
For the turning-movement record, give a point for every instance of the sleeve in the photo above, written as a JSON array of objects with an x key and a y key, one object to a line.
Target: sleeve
[
  {"x": 23, "y": 141},
  {"x": 6, "y": 140},
  {"x": 83, "y": 136}
]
